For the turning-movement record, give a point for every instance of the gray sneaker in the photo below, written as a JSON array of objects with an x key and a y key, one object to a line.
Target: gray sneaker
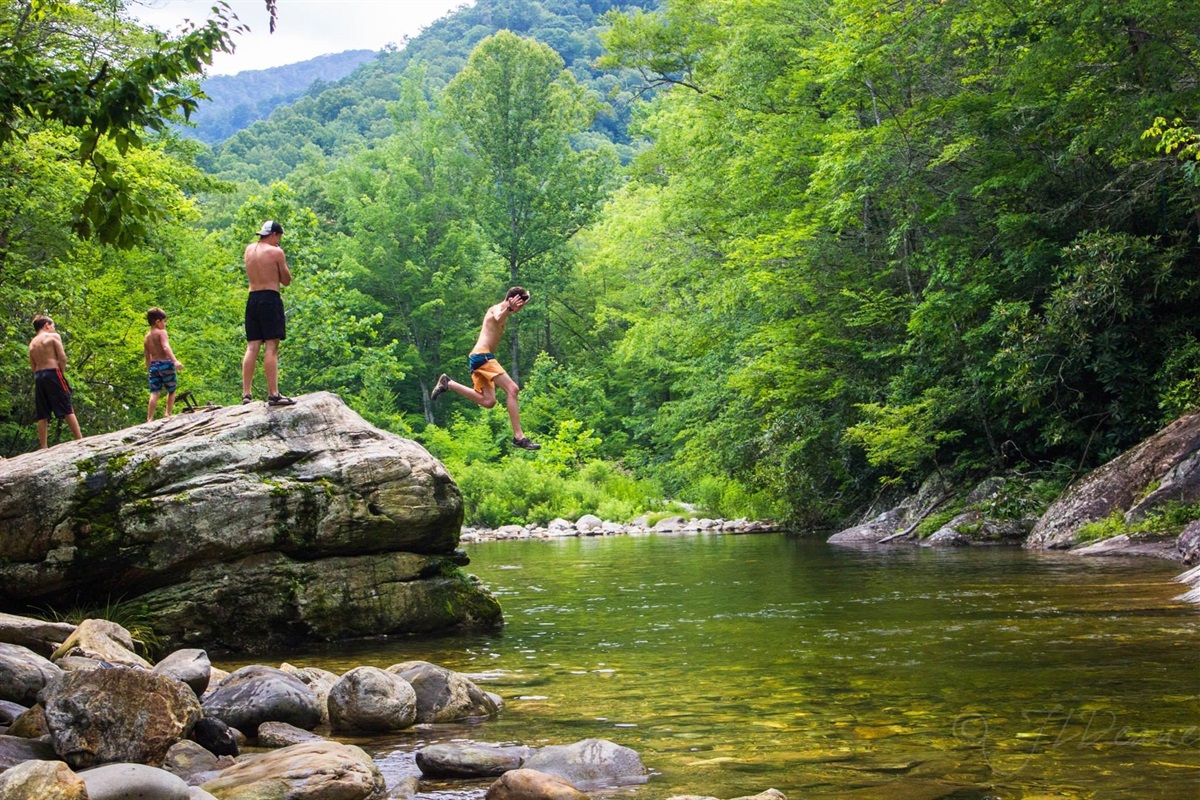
[
  {"x": 526, "y": 444},
  {"x": 443, "y": 383}
]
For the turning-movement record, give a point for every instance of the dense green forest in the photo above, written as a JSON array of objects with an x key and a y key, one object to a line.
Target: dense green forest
[{"x": 782, "y": 254}]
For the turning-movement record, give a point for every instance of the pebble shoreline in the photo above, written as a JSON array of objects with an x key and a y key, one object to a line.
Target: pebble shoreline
[{"x": 590, "y": 525}]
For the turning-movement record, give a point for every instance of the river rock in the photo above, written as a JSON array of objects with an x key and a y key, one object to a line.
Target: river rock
[
  {"x": 38, "y": 635},
  {"x": 101, "y": 640},
  {"x": 371, "y": 699},
  {"x": 244, "y": 527},
  {"x": 444, "y": 695},
  {"x": 215, "y": 736},
  {"x": 190, "y": 666},
  {"x": 946, "y": 537},
  {"x": 23, "y": 673},
  {"x": 529, "y": 784},
  {"x": 187, "y": 758},
  {"x": 119, "y": 714},
  {"x": 590, "y": 764},
  {"x": 31, "y": 724},
  {"x": 14, "y": 750},
  {"x": 1187, "y": 546},
  {"x": 324, "y": 770},
  {"x": 256, "y": 694},
  {"x": 320, "y": 681},
  {"x": 455, "y": 760},
  {"x": 1162, "y": 468},
  {"x": 9, "y": 711},
  {"x": 281, "y": 734},
  {"x": 133, "y": 782},
  {"x": 42, "y": 780}
]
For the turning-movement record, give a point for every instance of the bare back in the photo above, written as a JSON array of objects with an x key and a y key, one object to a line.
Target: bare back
[
  {"x": 266, "y": 267},
  {"x": 157, "y": 347},
  {"x": 46, "y": 352}
]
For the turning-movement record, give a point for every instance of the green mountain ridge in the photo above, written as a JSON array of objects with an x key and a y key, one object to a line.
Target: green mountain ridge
[
  {"x": 237, "y": 101},
  {"x": 354, "y": 111}
]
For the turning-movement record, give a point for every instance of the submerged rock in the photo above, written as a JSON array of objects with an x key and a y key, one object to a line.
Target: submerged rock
[
  {"x": 590, "y": 764},
  {"x": 244, "y": 528},
  {"x": 462, "y": 760}
]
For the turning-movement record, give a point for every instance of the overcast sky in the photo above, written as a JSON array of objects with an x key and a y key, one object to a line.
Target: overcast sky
[{"x": 304, "y": 29}]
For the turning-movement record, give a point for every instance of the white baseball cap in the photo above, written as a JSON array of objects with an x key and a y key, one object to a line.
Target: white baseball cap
[{"x": 269, "y": 227}]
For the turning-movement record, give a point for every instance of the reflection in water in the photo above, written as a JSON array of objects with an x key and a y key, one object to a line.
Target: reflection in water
[{"x": 737, "y": 663}]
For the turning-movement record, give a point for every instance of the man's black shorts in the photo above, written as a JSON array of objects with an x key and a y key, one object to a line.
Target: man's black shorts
[
  {"x": 51, "y": 393},
  {"x": 264, "y": 316}
]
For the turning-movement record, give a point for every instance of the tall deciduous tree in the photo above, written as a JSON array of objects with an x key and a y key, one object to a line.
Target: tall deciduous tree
[
  {"x": 64, "y": 65},
  {"x": 518, "y": 109}
]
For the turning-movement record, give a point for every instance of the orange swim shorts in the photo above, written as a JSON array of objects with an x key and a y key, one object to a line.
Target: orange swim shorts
[{"x": 485, "y": 375}]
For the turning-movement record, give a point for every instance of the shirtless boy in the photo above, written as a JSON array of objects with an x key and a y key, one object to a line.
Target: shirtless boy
[
  {"x": 267, "y": 271},
  {"x": 160, "y": 362},
  {"x": 486, "y": 372},
  {"x": 51, "y": 392}
]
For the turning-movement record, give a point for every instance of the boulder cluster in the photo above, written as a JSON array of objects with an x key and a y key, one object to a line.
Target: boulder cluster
[
  {"x": 244, "y": 529},
  {"x": 591, "y": 525},
  {"x": 84, "y": 717}
]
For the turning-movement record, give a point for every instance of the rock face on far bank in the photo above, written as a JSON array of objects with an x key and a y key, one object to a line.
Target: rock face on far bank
[
  {"x": 1163, "y": 468},
  {"x": 243, "y": 527}
]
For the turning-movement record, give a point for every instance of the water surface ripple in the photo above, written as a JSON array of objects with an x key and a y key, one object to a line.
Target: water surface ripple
[{"x": 737, "y": 663}]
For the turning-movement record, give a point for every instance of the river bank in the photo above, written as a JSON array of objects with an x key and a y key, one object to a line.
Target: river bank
[{"x": 591, "y": 525}]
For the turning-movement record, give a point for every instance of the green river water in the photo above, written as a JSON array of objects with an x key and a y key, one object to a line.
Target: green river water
[{"x": 737, "y": 663}]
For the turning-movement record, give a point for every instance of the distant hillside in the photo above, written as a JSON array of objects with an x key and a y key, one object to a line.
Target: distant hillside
[
  {"x": 354, "y": 111},
  {"x": 237, "y": 101}
]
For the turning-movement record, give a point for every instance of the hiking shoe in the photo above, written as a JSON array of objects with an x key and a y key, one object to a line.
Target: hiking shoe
[
  {"x": 247, "y": 399},
  {"x": 443, "y": 383},
  {"x": 280, "y": 400},
  {"x": 526, "y": 444}
]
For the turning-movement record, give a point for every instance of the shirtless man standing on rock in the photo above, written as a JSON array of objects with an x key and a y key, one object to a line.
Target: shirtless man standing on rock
[
  {"x": 51, "y": 393},
  {"x": 486, "y": 372},
  {"x": 267, "y": 270}
]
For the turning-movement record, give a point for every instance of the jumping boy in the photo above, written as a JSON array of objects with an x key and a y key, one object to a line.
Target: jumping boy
[
  {"x": 160, "y": 362},
  {"x": 51, "y": 392},
  {"x": 486, "y": 372}
]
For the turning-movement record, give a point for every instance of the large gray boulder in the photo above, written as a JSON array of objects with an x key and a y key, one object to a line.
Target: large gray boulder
[
  {"x": 244, "y": 527},
  {"x": 1165, "y": 467},
  {"x": 369, "y": 699},
  {"x": 257, "y": 694},
  {"x": 190, "y": 666},
  {"x": 123, "y": 714},
  {"x": 443, "y": 695}
]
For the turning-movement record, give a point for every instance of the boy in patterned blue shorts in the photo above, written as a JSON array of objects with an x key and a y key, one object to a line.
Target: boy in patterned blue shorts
[{"x": 160, "y": 362}]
